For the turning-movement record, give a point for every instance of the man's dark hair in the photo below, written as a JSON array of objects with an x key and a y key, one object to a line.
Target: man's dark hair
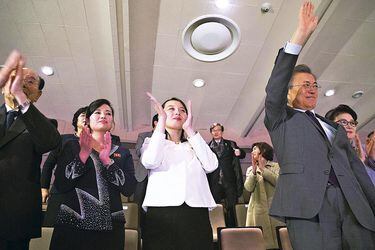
[
  {"x": 265, "y": 150},
  {"x": 341, "y": 109},
  {"x": 75, "y": 117},
  {"x": 41, "y": 83},
  {"x": 155, "y": 118},
  {"x": 215, "y": 125},
  {"x": 302, "y": 68}
]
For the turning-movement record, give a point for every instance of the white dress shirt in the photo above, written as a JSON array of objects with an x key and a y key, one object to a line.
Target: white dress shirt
[{"x": 177, "y": 172}]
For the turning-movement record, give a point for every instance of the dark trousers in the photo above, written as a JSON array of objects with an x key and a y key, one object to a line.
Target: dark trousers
[
  {"x": 139, "y": 196},
  {"x": 177, "y": 228},
  {"x": 335, "y": 227},
  {"x": 229, "y": 194},
  {"x": 14, "y": 245}
]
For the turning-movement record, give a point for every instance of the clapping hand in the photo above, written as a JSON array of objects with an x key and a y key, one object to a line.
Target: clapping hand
[
  {"x": 162, "y": 116},
  {"x": 13, "y": 62},
  {"x": 106, "y": 149},
  {"x": 188, "y": 124},
  {"x": 85, "y": 142}
]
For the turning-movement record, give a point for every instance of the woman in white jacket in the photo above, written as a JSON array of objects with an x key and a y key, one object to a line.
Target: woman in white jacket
[{"x": 178, "y": 195}]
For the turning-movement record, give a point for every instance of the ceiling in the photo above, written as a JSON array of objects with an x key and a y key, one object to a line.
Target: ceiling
[{"x": 119, "y": 49}]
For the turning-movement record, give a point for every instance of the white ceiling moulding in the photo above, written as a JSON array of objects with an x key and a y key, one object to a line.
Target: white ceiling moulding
[
  {"x": 120, "y": 31},
  {"x": 211, "y": 38}
]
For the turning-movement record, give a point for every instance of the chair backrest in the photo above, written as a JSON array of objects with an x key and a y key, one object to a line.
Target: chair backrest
[
  {"x": 43, "y": 242},
  {"x": 241, "y": 238},
  {"x": 283, "y": 238},
  {"x": 131, "y": 239},
  {"x": 217, "y": 220},
  {"x": 131, "y": 212},
  {"x": 241, "y": 213}
]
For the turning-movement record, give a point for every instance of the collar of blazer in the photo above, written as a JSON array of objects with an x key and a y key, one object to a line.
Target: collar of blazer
[{"x": 17, "y": 128}]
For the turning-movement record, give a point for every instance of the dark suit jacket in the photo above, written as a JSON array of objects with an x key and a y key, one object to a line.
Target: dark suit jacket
[
  {"x": 21, "y": 149},
  {"x": 51, "y": 160},
  {"x": 306, "y": 157},
  {"x": 140, "y": 171},
  {"x": 232, "y": 179}
]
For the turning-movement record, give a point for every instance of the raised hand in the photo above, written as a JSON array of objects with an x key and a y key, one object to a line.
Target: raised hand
[
  {"x": 188, "y": 124},
  {"x": 10, "y": 64},
  {"x": 361, "y": 154},
  {"x": 162, "y": 116},
  {"x": 306, "y": 25},
  {"x": 254, "y": 164},
  {"x": 106, "y": 149},
  {"x": 85, "y": 142}
]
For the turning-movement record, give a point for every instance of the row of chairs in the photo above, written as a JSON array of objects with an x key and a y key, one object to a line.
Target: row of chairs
[{"x": 226, "y": 238}]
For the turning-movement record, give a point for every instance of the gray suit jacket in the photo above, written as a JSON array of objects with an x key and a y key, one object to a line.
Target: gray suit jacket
[
  {"x": 140, "y": 171},
  {"x": 306, "y": 157}
]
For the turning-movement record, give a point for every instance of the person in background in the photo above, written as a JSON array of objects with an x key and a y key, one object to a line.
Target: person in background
[
  {"x": 226, "y": 182},
  {"x": 141, "y": 172},
  {"x": 54, "y": 198},
  {"x": 347, "y": 117},
  {"x": 92, "y": 172},
  {"x": 25, "y": 134},
  {"x": 370, "y": 156},
  {"x": 261, "y": 179},
  {"x": 178, "y": 195}
]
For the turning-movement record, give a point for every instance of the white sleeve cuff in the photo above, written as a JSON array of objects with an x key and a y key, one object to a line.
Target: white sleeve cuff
[{"x": 292, "y": 48}]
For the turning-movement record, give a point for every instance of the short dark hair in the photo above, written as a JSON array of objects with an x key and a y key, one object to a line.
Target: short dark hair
[
  {"x": 155, "y": 118},
  {"x": 41, "y": 83},
  {"x": 369, "y": 135},
  {"x": 213, "y": 125},
  {"x": 341, "y": 109},
  {"x": 302, "y": 68},
  {"x": 265, "y": 150},
  {"x": 96, "y": 104},
  {"x": 182, "y": 138},
  {"x": 75, "y": 117}
]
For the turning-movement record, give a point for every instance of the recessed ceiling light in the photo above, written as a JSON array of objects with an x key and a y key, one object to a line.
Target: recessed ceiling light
[
  {"x": 358, "y": 94},
  {"x": 47, "y": 70},
  {"x": 222, "y": 4},
  {"x": 198, "y": 83},
  {"x": 211, "y": 38},
  {"x": 329, "y": 92}
]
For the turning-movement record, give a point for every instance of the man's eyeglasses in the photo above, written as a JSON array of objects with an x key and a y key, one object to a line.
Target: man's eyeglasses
[
  {"x": 307, "y": 85},
  {"x": 344, "y": 123}
]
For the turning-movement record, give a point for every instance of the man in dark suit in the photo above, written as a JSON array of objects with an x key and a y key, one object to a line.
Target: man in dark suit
[
  {"x": 323, "y": 191},
  {"x": 226, "y": 182},
  {"x": 141, "y": 172},
  {"x": 25, "y": 134}
]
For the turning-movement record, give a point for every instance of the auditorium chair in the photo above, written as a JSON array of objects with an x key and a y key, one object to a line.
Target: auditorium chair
[
  {"x": 43, "y": 242},
  {"x": 283, "y": 238},
  {"x": 241, "y": 238},
  {"x": 241, "y": 213},
  {"x": 131, "y": 212},
  {"x": 131, "y": 239},
  {"x": 217, "y": 220},
  {"x": 132, "y": 233}
]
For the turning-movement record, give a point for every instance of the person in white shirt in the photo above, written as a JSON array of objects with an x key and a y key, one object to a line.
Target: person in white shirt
[{"x": 178, "y": 195}]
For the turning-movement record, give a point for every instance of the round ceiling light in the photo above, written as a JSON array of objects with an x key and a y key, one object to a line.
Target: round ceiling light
[
  {"x": 47, "y": 70},
  {"x": 358, "y": 94},
  {"x": 211, "y": 38},
  {"x": 198, "y": 83},
  {"x": 329, "y": 92}
]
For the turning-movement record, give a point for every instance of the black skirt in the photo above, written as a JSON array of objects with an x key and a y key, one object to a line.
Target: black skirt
[
  {"x": 177, "y": 228},
  {"x": 65, "y": 238}
]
